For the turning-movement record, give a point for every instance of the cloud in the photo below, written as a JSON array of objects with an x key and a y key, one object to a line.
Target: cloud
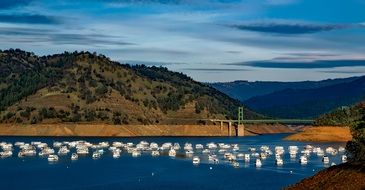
[
  {"x": 28, "y": 19},
  {"x": 345, "y": 72},
  {"x": 214, "y": 69},
  {"x": 6, "y": 4},
  {"x": 302, "y": 65},
  {"x": 34, "y": 36},
  {"x": 288, "y": 28},
  {"x": 280, "y": 2},
  {"x": 151, "y": 63}
]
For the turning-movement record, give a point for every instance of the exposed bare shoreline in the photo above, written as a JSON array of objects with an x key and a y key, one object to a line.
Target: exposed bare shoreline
[
  {"x": 322, "y": 134},
  {"x": 104, "y": 130}
]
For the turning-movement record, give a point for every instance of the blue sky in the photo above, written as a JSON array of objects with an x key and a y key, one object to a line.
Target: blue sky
[{"x": 209, "y": 40}]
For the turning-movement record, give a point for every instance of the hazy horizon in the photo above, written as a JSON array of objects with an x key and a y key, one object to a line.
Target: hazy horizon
[{"x": 209, "y": 40}]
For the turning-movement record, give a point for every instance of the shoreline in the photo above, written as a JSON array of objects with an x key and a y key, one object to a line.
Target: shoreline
[
  {"x": 104, "y": 130},
  {"x": 322, "y": 134}
]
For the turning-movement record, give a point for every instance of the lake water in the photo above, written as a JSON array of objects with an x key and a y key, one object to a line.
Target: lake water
[{"x": 163, "y": 172}]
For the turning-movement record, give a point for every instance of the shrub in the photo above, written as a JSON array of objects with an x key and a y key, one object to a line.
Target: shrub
[{"x": 356, "y": 147}]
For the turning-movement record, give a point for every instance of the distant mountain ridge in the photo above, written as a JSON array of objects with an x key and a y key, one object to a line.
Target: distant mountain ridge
[
  {"x": 306, "y": 99},
  {"x": 309, "y": 103},
  {"x": 244, "y": 90}
]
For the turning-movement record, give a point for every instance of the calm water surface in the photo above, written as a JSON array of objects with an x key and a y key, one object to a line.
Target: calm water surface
[{"x": 163, "y": 172}]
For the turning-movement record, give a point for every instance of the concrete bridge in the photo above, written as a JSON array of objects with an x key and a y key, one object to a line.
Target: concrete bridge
[{"x": 237, "y": 128}]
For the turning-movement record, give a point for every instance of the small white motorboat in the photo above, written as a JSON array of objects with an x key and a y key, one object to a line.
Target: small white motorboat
[
  {"x": 236, "y": 164},
  {"x": 116, "y": 154},
  {"x": 74, "y": 156},
  {"x": 96, "y": 155},
  {"x": 344, "y": 158},
  {"x": 136, "y": 153},
  {"x": 196, "y": 160},
  {"x": 279, "y": 162},
  {"x": 325, "y": 160},
  {"x": 172, "y": 152},
  {"x": 303, "y": 160},
  {"x": 258, "y": 163},
  {"x": 52, "y": 158},
  {"x": 247, "y": 157},
  {"x": 155, "y": 153}
]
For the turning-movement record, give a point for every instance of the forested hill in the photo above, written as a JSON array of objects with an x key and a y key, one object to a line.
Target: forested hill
[
  {"x": 342, "y": 116},
  {"x": 244, "y": 90},
  {"x": 86, "y": 87},
  {"x": 309, "y": 103}
]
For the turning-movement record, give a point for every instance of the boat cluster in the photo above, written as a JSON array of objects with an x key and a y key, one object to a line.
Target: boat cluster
[{"x": 215, "y": 152}]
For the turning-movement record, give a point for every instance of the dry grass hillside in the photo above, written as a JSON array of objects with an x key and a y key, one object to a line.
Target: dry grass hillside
[{"x": 86, "y": 87}]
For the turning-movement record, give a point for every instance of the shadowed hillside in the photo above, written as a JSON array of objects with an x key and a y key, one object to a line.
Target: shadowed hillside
[
  {"x": 244, "y": 90},
  {"x": 309, "y": 103},
  {"x": 86, "y": 87}
]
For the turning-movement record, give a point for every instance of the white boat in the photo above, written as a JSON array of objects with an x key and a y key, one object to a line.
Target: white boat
[
  {"x": 136, "y": 153},
  {"x": 258, "y": 163},
  {"x": 199, "y": 146},
  {"x": 74, "y": 156},
  {"x": 155, "y": 153},
  {"x": 196, "y": 160},
  {"x": 117, "y": 144},
  {"x": 235, "y": 147},
  {"x": 240, "y": 155},
  {"x": 154, "y": 146},
  {"x": 116, "y": 154},
  {"x": 341, "y": 149},
  {"x": 333, "y": 164},
  {"x": 293, "y": 155},
  {"x": 325, "y": 160},
  {"x": 303, "y": 160},
  {"x": 222, "y": 151},
  {"x": 277, "y": 156},
  {"x": 19, "y": 144},
  {"x": 188, "y": 146},
  {"x": 172, "y": 152},
  {"x": 344, "y": 158},
  {"x": 63, "y": 150},
  {"x": 189, "y": 152},
  {"x": 255, "y": 154},
  {"x": 212, "y": 145},
  {"x": 96, "y": 155},
  {"x": 236, "y": 164},
  {"x": 279, "y": 162},
  {"x": 52, "y": 158},
  {"x": 206, "y": 151},
  {"x": 57, "y": 144},
  {"x": 263, "y": 155},
  {"x": 6, "y": 153},
  {"x": 82, "y": 151},
  {"x": 252, "y": 149},
  {"x": 213, "y": 158},
  {"x": 247, "y": 157},
  {"x": 177, "y": 146}
]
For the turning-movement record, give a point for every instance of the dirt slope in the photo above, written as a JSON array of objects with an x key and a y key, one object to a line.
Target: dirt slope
[
  {"x": 344, "y": 176},
  {"x": 324, "y": 133}
]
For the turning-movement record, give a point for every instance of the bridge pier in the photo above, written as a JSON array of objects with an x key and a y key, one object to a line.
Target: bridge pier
[
  {"x": 241, "y": 130},
  {"x": 229, "y": 128}
]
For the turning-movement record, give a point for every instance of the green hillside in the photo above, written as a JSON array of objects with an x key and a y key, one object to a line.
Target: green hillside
[{"x": 86, "y": 87}]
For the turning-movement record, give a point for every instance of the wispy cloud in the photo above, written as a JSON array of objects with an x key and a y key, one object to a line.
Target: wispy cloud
[
  {"x": 215, "y": 69},
  {"x": 29, "y": 19},
  {"x": 302, "y": 65},
  {"x": 50, "y": 36},
  {"x": 288, "y": 28},
  {"x": 6, "y": 4}
]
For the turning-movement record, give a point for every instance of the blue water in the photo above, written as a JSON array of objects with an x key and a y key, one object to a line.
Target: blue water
[{"x": 163, "y": 172}]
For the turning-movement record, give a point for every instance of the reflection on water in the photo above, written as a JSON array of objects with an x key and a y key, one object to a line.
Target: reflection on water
[{"x": 162, "y": 172}]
